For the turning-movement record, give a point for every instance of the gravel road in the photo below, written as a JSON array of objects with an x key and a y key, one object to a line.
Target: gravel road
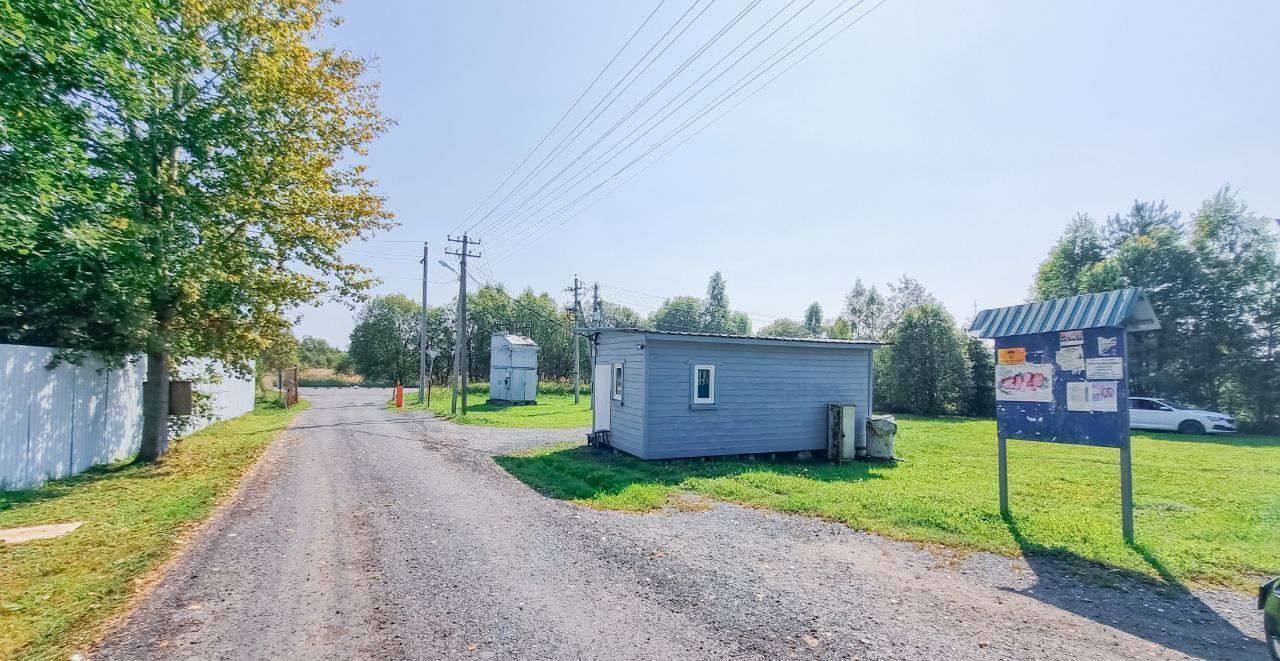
[{"x": 366, "y": 533}]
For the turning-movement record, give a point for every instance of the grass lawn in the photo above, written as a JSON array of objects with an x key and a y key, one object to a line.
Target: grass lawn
[
  {"x": 55, "y": 593},
  {"x": 555, "y": 408},
  {"x": 1207, "y": 509}
]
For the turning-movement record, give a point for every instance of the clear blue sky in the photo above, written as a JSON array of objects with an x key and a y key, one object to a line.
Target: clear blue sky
[{"x": 948, "y": 141}]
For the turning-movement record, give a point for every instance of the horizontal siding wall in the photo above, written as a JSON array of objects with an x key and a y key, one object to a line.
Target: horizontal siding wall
[
  {"x": 626, "y": 417},
  {"x": 769, "y": 398}
]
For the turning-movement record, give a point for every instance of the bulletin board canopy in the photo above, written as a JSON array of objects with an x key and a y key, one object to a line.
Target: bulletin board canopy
[
  {"x": 1062, "y": 368},
  {"x": 1128, "y": 309}
]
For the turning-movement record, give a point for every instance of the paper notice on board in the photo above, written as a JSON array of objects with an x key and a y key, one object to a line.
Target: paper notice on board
[
  {"x": 1102, "y": 396},
  {"x": 1078, "y": 396},
  {"x": 1070, "y": 359},
  {"x": 1107, "y": 346},
  {"x": 1104, "y": 368},
  {"x": 1030, "y": 382},
  {"x": 1011, "y": 356},
  {"x": 1071, "y": 338}
]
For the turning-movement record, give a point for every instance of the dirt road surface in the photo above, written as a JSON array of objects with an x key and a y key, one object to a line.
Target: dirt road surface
[{"x": 367, "y": 533}]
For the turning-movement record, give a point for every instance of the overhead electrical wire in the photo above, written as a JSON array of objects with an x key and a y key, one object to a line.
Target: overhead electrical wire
[
  {"x": 571, "y": 182},
  {"x": 562, "y": 117},
  {"x": 670, "y": 77},
  {"x": 734, "y": 89},
  {"x": 592, "y": 114},
  {"x": 559, "y": 324},
  {"x": 724, "y": 95}
]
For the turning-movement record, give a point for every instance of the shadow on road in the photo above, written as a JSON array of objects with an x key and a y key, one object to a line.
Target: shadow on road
[{"x": 1161, "y": 611}]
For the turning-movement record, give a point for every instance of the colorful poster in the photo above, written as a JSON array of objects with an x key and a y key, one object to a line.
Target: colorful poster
[
  {"x": 1029, "y": 382},
  {"x": 1012, "y": 356},
  {"x": 1102, "y": 396},
  {"x": 1078, "y": 396},
  {"x": 1071, "y": 359},
  {"x": 1104, "y": 368},
  {"x": 1071, "y": 338}
]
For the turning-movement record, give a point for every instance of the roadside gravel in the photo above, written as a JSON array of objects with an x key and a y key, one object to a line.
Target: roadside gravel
[{"x": 367, "y": 533}]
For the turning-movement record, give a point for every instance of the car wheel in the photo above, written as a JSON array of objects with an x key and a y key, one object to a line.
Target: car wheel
[{"x": 1190, "y": 427}]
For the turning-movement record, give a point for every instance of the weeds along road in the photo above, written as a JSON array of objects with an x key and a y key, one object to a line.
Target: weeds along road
[{"x": 367, "y": 533}]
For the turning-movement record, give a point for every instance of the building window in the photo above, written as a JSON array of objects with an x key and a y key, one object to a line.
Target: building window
[
  {"x": 704, "y": 384},
  {"x": 617, "y": 381}
]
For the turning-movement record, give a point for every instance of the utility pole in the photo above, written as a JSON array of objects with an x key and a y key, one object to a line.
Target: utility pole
[
  {"x": 460, "y": 358},
  {"x": 597, "y": 321},
  {"x": 422, "y": 336},
  {"x": 577, "y": 337}
]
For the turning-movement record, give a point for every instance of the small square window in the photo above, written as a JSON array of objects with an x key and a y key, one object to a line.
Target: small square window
[
  {"x": 617, "y": 381},
  {"x": 704, "y": 384}
]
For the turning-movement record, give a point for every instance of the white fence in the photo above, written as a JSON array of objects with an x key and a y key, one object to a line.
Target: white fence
[{"x": 59, "y": 422}]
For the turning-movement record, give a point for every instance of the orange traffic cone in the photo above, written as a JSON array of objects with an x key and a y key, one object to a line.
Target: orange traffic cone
[{"x": 399, "y": 395}]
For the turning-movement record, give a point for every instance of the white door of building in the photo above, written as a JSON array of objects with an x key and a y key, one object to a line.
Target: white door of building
[{"x": 601, "y": 396}]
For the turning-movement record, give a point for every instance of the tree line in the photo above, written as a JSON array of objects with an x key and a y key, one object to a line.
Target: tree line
[
  {"x": 1214, "y": 283},
  {"x": 383, "y": 346}
]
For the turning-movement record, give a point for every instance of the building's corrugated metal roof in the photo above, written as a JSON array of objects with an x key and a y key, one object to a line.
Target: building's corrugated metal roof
[
  {"x": 518, "y": 340},
  {"x": 1124, "y": 308},
  {"x": 730, "y": 336}
]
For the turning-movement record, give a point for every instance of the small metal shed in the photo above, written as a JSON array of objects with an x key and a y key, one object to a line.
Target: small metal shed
[
  {"x": 513, "y": 369},
  {"x": 667, "y": 394}
]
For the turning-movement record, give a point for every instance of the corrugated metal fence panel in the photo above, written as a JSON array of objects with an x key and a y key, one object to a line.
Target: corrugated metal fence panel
[
  {"x": 229, "y": 394},
  {"x": 15, "y": 409},
  {"x": 55, "y": 423},
  {"x": 122, "y": 419},
  {"x": 59, "y": 422}
]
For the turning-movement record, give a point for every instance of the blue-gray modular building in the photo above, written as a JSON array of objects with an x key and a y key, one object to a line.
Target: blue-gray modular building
[{"x": 666, "y": 394}]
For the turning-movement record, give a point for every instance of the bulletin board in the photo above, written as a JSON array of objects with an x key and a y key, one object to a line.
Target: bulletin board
[{"x": 1064, "y": 387}]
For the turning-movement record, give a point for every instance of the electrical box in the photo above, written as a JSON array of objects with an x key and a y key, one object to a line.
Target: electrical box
[
  {"x": 180, "y": 398},
  {"x": 513, "y": 369},
  {"x": 842, "y": 432}
]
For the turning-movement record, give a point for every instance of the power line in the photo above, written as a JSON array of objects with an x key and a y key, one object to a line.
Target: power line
[
  {"x": 706, "y": 109},
  {"x": 562, "y": 117},
  {"x": 684, "y": 65},
  {"x": 571, "y": 182},
  {"x": 579, "y": 177},
  {"x": 494, "y": 287},
  {"x": 575, "y": 132}
]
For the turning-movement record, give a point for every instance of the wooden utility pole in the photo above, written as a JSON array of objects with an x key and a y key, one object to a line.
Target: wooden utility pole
[
  {"x": 460, "y": 358},
  {"x": 422, "y": 338}
]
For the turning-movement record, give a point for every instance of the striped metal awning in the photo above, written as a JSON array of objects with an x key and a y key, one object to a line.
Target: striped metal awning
[{"x": 1123, "y": 308}]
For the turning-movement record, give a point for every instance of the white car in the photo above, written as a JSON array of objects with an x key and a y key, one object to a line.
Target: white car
[{"x": 1169, "y": 415}]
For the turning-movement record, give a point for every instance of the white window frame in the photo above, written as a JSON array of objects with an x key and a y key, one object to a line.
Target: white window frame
[
  {"x": 617, "y": 381},
  {"x": 704, "y": 400}
]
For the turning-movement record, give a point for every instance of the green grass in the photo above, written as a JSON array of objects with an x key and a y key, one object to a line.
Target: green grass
[
  {"x": 555, "y": 408},
  {"x": 1207, "y": 509},
  {"x": 55, "y": 593}
]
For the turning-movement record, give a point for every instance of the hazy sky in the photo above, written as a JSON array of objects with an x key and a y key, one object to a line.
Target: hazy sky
[{"x": 949, "y": 141}]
